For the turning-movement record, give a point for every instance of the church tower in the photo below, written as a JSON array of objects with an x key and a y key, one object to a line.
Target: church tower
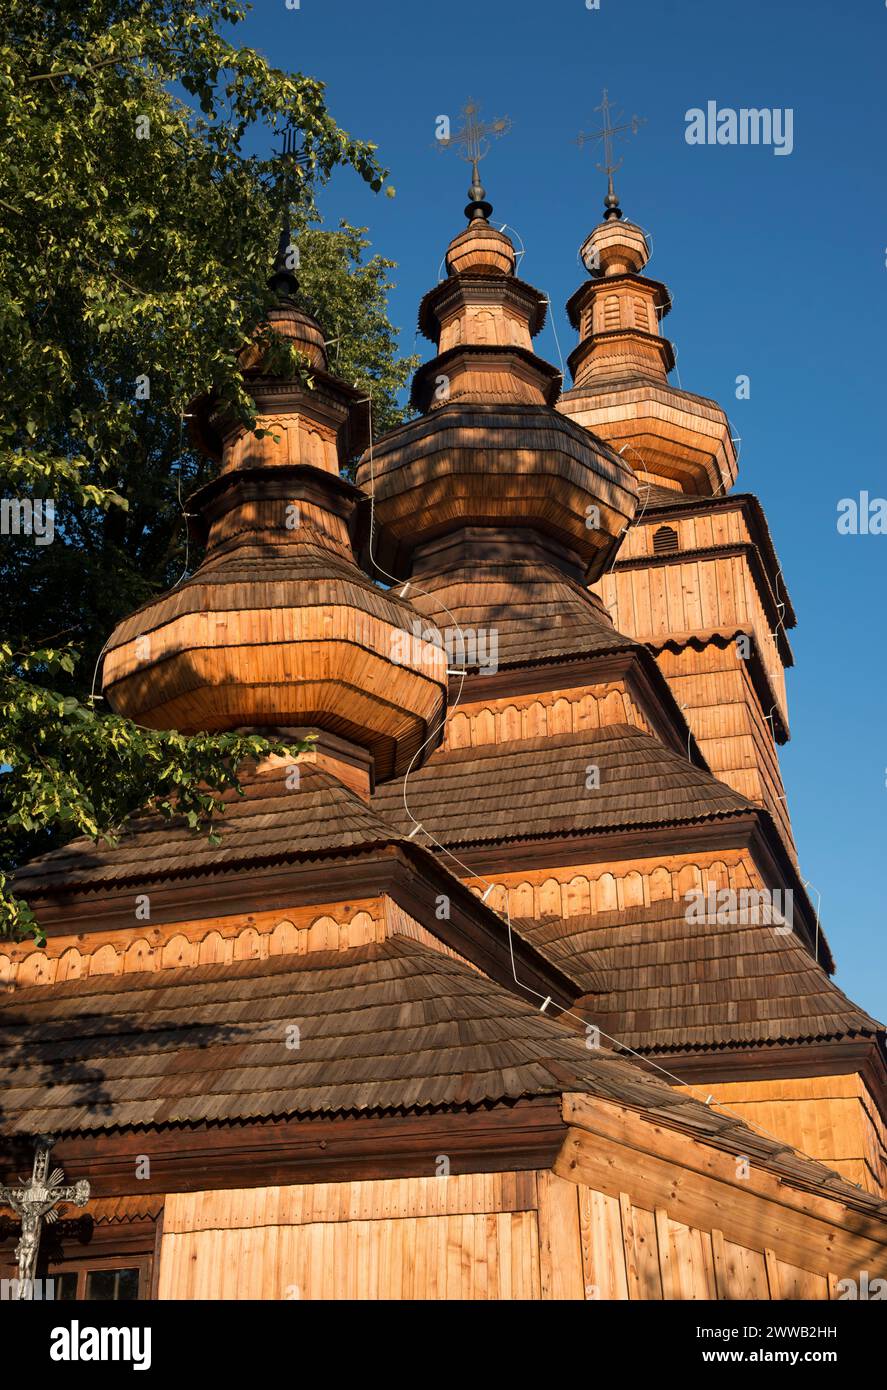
[
  {"x": 597, "y": 776},
  {"x": 697, "y": 578},
  {"x": 427, "y": 1017},
  {"x": 278, "y": 628}
]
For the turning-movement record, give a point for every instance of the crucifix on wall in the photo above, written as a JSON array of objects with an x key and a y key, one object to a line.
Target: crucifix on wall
[{"x": 36, "y": 1201}]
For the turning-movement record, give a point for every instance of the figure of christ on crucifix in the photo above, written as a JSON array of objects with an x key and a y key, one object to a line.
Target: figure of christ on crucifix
[{"x": 34, "y": 1202}]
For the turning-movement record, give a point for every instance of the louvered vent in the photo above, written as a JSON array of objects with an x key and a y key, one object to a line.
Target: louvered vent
[{"x": 665, "y": 540}]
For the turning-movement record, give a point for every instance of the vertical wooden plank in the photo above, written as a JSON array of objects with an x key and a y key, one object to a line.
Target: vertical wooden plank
[
  {"x": 603, "y": 1257},
  {"x": 531, "y": 1222},
  {"x": 155, "y": 1263},
  {"x": 298, "y": 1252},
  {"x": 205, "y": 1255},
  {"x": 433, "y": 1236},
  {"x": 503, "y": 1227},
  {"x": 746, "y": 1272},
  {"x": 645, "y": 1245},
  {"x": 772, "y": 1266},
  {"x": 289, "y": 1276},
  {"x": 397, "y": 1234},
  {"x": 332, "y": 1270},
  {"x": 802, "y": 1284},
  {"x": 663, "y": 1246},
  {"x": 702, "y": 1283},
  {"x": 679, "y": 1261},
  {"x": 491, "y": 1236},
  {"x": 386, "y": 1257},
  {"x": 270, "y": 1276},
  {"x": 719, "y": 1255},
  {"x": 632, "y": 1272},
  {"x": 314, "y": 1261},
  {"x": 474, "y": 1233},
  {"x": 453, "y": 1255},
  {"x": 249, "y": 1277},
  {"x": 560, "y": 1242},
  {"x": 419, "y": 1260}
]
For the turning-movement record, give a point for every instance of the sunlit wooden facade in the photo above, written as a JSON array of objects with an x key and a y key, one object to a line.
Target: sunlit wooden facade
[{"x": 435, "y": 1018}]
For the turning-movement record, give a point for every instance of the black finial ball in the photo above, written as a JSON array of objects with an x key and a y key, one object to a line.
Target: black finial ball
[{"x": 478, "y": 210}]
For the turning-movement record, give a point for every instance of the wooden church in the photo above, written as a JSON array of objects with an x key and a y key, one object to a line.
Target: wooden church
[{"x": 509, "y": 988}]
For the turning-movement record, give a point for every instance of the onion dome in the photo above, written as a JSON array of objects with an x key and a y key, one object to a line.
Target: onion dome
[
  {"x": 488, "y": 449},
  {"x": 279, "y": 627},
  {"x": 620, "y": 370},
  {"x": 615, "y": 247},
  {"x": 286, "y": 316},
  {"x": 304, "y": 332},
  {"x": 480, "y": 249}
]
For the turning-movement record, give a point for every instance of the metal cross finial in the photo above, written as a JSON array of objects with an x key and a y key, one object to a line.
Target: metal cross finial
[
  {"x": 610, "y": 133},
  {"x": 35, "y": 1202},
  {"x": 282, "y": 279},
  {"x": 472, "y": 143},
  {"x": 299, "y": 159}
]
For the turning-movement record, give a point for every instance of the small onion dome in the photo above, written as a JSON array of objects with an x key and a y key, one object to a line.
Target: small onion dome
[
  {"x": 286, "y": 316},
  {"x": 480, "y": 249},
  {"x": 298, "y": 327},
  {"x": 303, "y": 331},
  {"x": 615, "y": 248}
]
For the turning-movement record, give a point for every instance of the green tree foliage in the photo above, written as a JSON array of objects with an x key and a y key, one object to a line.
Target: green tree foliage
[
  {"x": 135, "y": 239},
  {"x": 71, "y": 771}
]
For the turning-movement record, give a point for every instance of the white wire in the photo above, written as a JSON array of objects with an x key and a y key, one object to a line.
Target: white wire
[{"x": 557, "y": 342}]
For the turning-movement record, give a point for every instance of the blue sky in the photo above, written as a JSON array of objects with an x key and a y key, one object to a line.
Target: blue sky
[{"x": 776, "y": 265}]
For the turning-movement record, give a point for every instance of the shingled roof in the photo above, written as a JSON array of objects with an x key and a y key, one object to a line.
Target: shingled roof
[
  {"x": 537, "y": 613},
  {"x": 661, "y": 984},
  {"x": 537, "y": 787},
  {"x": 385, "y": 1028},
  {"x": 268, "y": 823}
]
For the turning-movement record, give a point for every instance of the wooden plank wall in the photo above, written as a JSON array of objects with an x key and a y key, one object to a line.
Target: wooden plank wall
[
  {"x": 474, "y": 1236},
  {"x": 701, "y": 532},
  {"x": 715, "y": 691},
  {"x": 210, "y": 941},
  {"x": 530, "y": 1235},
  {"x": 542, "y": 715},
  {"x": 692, "y": 596},
  {"x": 832, "y": 1118},
  {"x": 604, "y": 887},
  {"x": 338, "y": 927}
]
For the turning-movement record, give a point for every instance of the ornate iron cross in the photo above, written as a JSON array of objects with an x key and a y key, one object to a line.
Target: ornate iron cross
[
  {"x": 294, "y": 163},
  {"x": 36, "y": 1201},
  {"x": 472, "y": 143},
  {"x": 609, "y": 134}
]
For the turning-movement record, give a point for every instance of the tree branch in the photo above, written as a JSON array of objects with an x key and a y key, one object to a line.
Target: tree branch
[{"x": 93, "y": 67}]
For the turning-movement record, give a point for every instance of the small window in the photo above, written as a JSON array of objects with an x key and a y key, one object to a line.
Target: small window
[
  {"x": 117, "y": 1283},
  {"x": 665, "y": 541}
]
